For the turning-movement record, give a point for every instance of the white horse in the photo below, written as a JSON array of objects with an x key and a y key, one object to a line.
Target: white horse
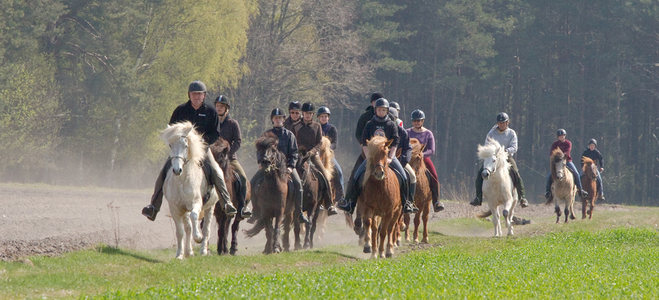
[
  {"x": 184, "y": 186},
  {"x": 498, "y": 187}
]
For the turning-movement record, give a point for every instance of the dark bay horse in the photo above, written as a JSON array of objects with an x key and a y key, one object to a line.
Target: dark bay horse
[
  {"x": 589, "y": 183},
  {"x": 380, "y": 199},
  {"x": 423, "y": 195},
  {"x": 271, "y": 197},
  {"x": 220, "y": 150}
]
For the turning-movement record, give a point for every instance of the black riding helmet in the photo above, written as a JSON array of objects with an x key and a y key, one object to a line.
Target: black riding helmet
[
  {"x": 381, "y": 102},
  {"x": 376, "y": 96},
  {"x": 394, "y": 105},
  {"x": 323, "y": 110},
  {"x": 197, "y": 86},
  {"x": 561, "y": 132},
  {"x": 224, "y": 100},
  {"x": 295, "y": 105},
  {"x": 308, "y": 107},
  {"x": 502, "y": 117},
  {"x": 277, "y": 112},
  {"x": 418, "y": 115},
  {"x": 592, "y": 141}
]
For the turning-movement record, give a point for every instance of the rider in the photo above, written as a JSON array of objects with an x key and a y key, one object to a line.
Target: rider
[
  {"x": 204, "y": 118},
  {"x": 595, "y": 155},
  {"x": 293, "y": 115},
  {"x": 395, "y": 105},
  {"x": 230, "y": 132},
  {"x": 379, "y": 125},
  {"x": 507, "y": 138},
  {"x": 309, "y": 135},
  {"x": 566, "y": 146},
  {"x": 405, "y": 154},
  {"x": 331, "y": 133},
  {"x": 288, "y": 146},
  {"x": 426, "y": 138}
]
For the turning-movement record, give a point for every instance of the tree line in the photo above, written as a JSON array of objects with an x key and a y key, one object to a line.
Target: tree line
[{"x": 85, "y": 85}]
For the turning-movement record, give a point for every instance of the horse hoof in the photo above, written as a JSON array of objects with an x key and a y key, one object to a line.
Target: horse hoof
[
  {"x": 306, "y": 246},
  {"x": 424, "y": 241},
  {"x": 505, "y": 213},
  {"x": 398, "y": 243},
  {"x": 389, "y": 255},
  {"x": 233, "y": 251},
  {"x": 367, "y": 249}
]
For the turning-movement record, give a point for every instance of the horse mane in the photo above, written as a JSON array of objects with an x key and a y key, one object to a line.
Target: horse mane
[
  {"x": 196, "y": 146},
  {"x": 327, "y": 155},
  {"x": 587, "y": 161},
  {"x": 220, "y": 150},
  {"x": 269, "y": 142},
  {"x": 376, "y": 145},
  {"x": 265, "y": 141},
  {"x": 416, "y": 161},
  {"x": 493, "y": 148},
  {"x": 556, "y": 156}
]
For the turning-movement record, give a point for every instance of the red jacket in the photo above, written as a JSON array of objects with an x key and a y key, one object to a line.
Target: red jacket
[{"x": 566, "y": 147}]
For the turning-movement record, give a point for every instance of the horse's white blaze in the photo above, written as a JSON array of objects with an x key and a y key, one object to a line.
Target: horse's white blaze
[{"x": 498, "y": 189}]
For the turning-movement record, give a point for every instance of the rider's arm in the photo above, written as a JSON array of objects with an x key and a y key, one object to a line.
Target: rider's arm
[
  {"x": 318, "y": 140},
  {"x": 333, "y": 137},
  {"x": 512, "y": 147},
  {"x": 429, "y": 150},
  {"x": 292, "y": 152},
  {"x": 237, "y": 139}
]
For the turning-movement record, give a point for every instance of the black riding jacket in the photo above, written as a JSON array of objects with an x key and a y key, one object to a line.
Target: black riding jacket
[
  {"x": 230, "y": 132},
  {"x": 361, "y": 123},
  {"x": 204, "y": 119},
  {"x": 405, "y": 147},
  {"x": 287, "y": 145},
  {"x": 384, "y": 127},
  {"x": 594, "y": 155}
]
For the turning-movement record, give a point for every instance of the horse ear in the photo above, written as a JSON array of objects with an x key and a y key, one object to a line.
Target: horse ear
[
  {"x": 187, "y": 131},
  {"x": 389, "y": 143},
  {"x": 423, "y": 147}
]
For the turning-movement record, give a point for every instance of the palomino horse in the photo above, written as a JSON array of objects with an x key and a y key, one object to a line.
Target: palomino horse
[
  {"x": 220, "y": 150},
  {"x": 380, "y": 198},
  {"x": 498, "y": 187},
  {"x": 326, "y": 155},
  {"x": 315, "y": 193},
  {"x": 184, "y": 186},
  {"x": 271, "y": 197},
  {"x": 423, "y": 195},
  {"x": 563, "y": 188},
  {"x": 589, "y": 183}
]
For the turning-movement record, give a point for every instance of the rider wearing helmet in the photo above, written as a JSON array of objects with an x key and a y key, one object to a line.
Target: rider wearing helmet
[
  {"x": 380, "y": 124},
  {"x": 508, "y": 139},
  {"x": 309, "y": 135},
  {"x": 395, "y": 105},
  {"x": 596, "y": 156},
  {"x": 230, "y": 132},
  {"x": 566, "y": 146},
  {"x": 427, "y": 139},
  {"x": 323, "y": 114},
  {"x": 288, "y": 146},
  {"x": 204, "y": 118},
  {"x": 293, "y": 115}
]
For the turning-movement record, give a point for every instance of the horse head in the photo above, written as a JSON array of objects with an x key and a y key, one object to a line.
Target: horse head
[
  {"x": 185, "y": 145},
  {"x": 268, "y": 154},
  {"x": 220, "y": 150},
  {"x": 589, "y": 168},
  {"x": 378, "y": 150},
  {"x": 416, "y": 160},
  {"x": 558, "y": 164},
  {"x": 493, "y": 157}
]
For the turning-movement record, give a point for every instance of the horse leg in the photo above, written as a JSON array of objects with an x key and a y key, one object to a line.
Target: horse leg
[
  {"x": 495, "y": 222},
  {"x": 386, "y": 234},
  {"x": 417, "y": 224},
  {"x": 390, "y": 231},
  {"x": 206, "y": 231},
  {"x": 286, "y": 239},
  {"x": 406, "y": 222},
  {"x": 424, "y": 217},
  {"x": 366, "y": 223},
  {"x": 571, "y": 209},
  {"x": 276, "y": 248},
  {"x": 268, "y": 235},
  {"x": 584, "y": 206},
  {"x": 296, "y": 233},
  {"x": 234, "y": 235},
  {"x": 592, "y": 207},
  {"x": 194, "y": 217},
  {"x": 187, "y": 227},
  {"x": 313, "y": 227},
  {"x": 307, "y": 230},
  {"x": 179, "y": 234},
  {"x": 557, "y": 210},
  {"x": 374, "y": 236},
  {"x": 220, "y": 218}
]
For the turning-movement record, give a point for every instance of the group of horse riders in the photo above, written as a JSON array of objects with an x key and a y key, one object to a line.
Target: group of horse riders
[{"x": 380, "y": 118}]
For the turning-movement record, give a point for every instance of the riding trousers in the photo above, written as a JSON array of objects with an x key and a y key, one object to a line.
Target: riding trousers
[
  {"x": 339, "y": 177},
  {"x": 395, "y": 164},
  {"x": 575, "y": 174}
]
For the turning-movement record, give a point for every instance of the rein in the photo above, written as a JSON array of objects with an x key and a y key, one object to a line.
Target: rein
[{"x": 185, "y": 160}]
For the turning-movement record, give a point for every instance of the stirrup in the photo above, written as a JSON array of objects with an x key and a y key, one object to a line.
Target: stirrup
[
  {"x": 331, "y": 211},
  {"x": 245, "y": 212},
  {"x": 439, "y": 206},
  {"x": 303, "y": 218},
  {"x": 230, "y": 210},
  {"x": 409, "y": 208}
]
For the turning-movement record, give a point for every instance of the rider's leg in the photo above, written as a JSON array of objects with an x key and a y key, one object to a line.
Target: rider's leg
[
  {"x": 575, "y": 175},
  {"x": 351, "y": 187},
  {"x": 548, "y": 186},
  {"x": 315, "y": 159},
  {"x": 519, "y": 185},
  {"x": 354, "y": 188},
  {"x": 254, "y": 182},
  {"x": 479, "y": 188},
  {"x": 339, "y": 188},
  {"x": 434, "y": 185},
  {"x": 408, "y": 205},
  {"x": 217, "y": 176},
  {"x": 297, "y": 189},
  {"x": 412, "y": 178},
  {"x": 150, "y": 211},
  {"x": 245, "y": 212},
  {"x": 599, "y": 187}
]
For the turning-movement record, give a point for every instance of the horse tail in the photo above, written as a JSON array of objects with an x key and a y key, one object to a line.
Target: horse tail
[
  {"x": 260, "y": 225},
  {"x": 349, "y": 220},
  {"x": 549, "y": 201},
  {"x": 484, "y": 214}
]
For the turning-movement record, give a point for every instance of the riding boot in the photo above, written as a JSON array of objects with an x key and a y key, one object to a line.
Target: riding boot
[
  {"x": 479, "y": 189},
  {"x": 434, "y": 189},
  {"x": 300, "y": 199},
  {"x": 412, "y": 192},
  {"x": 548, "y": 187},
  {"x": 519, "y": 184},
  {"x": 245, "y": 212},
  {"x": 217, "y": 178},
  {"x": 408, "y": 205},
  {"x": 150, "y": 211},
  {"x": 352, "y": 194},
  {"x": 600, "y": 191}
]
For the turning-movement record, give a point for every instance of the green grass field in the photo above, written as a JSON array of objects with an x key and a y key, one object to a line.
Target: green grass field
[{"x": 615, "y": 256}]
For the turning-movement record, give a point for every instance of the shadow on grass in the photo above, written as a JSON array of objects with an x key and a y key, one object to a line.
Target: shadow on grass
[
  {"x": 118, "y": 251},
  {"x": 337, "y": 254}
]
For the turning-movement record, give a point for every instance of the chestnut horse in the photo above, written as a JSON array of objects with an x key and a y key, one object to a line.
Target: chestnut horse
[
  {"x": 272, "y": 199},
  {"x": 589, "y": 183},
  {"x": 380, "y": 198},
  {"x": 563, "y": 188},
  {"x": 423, "y": 195},
  {"x": 220, "y": 150}
]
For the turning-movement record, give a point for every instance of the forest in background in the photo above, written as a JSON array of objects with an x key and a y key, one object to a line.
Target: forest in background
[{"x": 85, "y": 85}]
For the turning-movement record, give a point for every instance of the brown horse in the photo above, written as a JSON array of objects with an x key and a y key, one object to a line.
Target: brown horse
[
  {"x": 423, "y": 195},
  {"x": 272, "y": 199},
  {"x": 563, "y": 188},
  {"x": 589, "y": 183},
  {"x": 380, "y": 199},
  {"x": 220, "y": 150}
]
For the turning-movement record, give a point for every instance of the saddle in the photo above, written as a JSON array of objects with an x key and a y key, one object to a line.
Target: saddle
[{"x": 402, "y": 184}]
